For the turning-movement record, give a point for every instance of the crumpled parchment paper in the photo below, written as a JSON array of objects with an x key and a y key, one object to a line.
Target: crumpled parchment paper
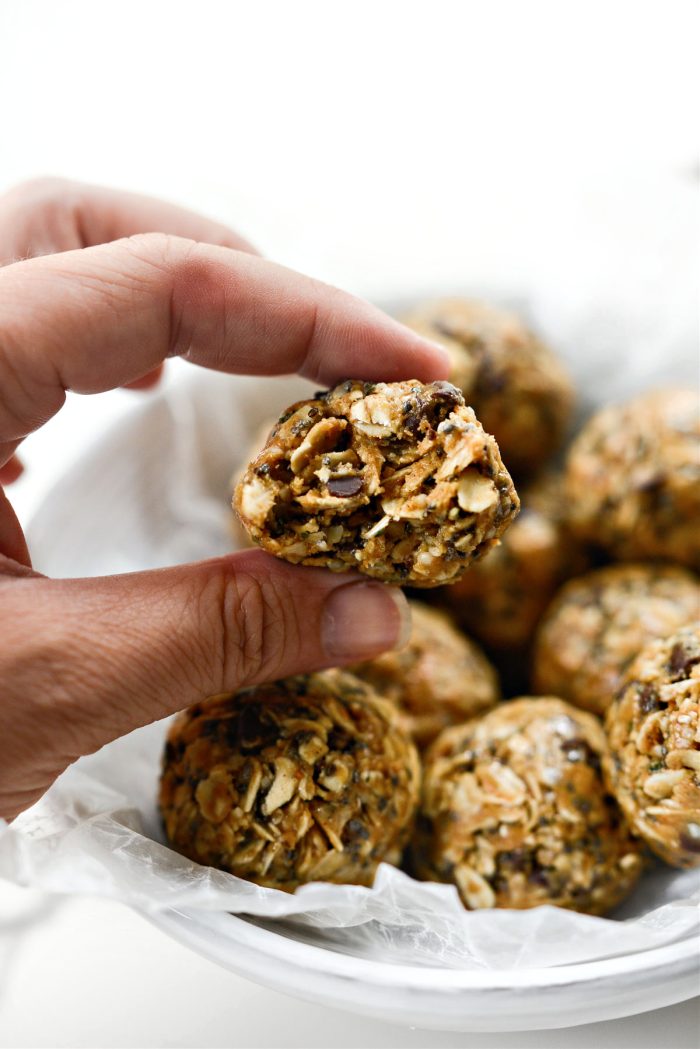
[{"x": 97, "y": 831}]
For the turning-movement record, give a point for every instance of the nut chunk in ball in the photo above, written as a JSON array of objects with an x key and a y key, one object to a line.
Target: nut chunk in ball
[
  {"x": 598, "y": 623},
  {"x": 633, "y": 478},
  {"x": 396, "y": 480},
  {"x": 654, "y": 734},
  {"x": 516, "y": 814},
  {"x": 515, "y": 383},
  {"x": 306, "y": 779},
  {"x": 439, "y": 678}
]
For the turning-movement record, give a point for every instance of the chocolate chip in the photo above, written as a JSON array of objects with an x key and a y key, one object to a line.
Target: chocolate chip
[
  {"x": 250, "y": 731},
  {"x": 690, "y": 838},
  {"x": 680, "y": 660},
  {"x": 539, "y": 876},
  {"x": 652, "y": 484},
  {"x": 515, "y": 859},
  {"x": 355, "y": 830},
  {"x": 174, "y": 751},
  {"x": 210, "y": 728},
  {"x": 345, "y": 487},
  {"x": 649, "y": 699},
  {"x": 431, "y": 406},
  {"x": 446, "y": 391},
  {"x": 278, "y": 471},
  {"x": 578, "y": 749},
  {"x": 414, "y": 419}
]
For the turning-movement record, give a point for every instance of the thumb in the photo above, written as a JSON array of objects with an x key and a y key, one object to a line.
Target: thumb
[{"x": 85, "y": 661}]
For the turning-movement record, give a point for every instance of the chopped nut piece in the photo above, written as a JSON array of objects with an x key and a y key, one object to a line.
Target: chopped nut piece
[
  {"x": 283, "y": 786},
  {"x": 397, "y": 480},
  {"x": 486, "y": 825},
  {"x": 312, "y": 749},
  {"x": 305, "y": 778},
  {"x": 654, "y": 767},
  {"x": 257, "y": 500},
  {"x": 476, "y": 492}
]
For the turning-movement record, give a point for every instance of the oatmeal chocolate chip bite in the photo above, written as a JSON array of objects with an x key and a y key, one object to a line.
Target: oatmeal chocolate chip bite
[
  {"x": 633, "y": 478},
  {"x": 396, "y": 480},
  {"x": 598, "y": 623},
  {"x": 306, "y": 779},
  {"x": 515, "y": 383},
  {"x": 439, "y": 678},
  {"x": 239, "y": 534},
  {"x": 502, "y": 597},
  {"x": 654, "y": 733},
  {"x": 515, "y": 812}
]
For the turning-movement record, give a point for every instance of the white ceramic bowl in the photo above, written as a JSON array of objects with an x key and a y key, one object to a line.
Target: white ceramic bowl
[{"x": 439, "y": 999}]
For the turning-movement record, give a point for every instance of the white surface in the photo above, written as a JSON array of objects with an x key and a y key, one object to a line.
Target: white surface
[
  {"x": 120, "y": 982},
  {"x": 373, "y": 145}
]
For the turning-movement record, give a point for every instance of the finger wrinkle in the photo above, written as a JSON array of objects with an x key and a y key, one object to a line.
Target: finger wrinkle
[
  {"x": 27, "y": 399},
  {"x": 203, "y": 296}
]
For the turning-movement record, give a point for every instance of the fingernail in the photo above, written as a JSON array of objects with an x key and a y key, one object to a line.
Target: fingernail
[{"x": 361, "y": 620}]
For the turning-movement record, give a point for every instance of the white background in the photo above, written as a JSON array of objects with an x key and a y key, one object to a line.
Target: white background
[{"x": 383, "y": 147}]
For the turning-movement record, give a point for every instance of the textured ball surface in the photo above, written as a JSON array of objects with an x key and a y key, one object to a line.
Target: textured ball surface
[
  {"x": 439, "y": 679},
  {"x": 301, "y": 780},
  {"x": 633, "y": 478},
  {"x": 516, "y": 814},
  {"x": 395, "y": 480},
  {"x": 598, "y": 623},
  {"x": 654, "y": 732}
]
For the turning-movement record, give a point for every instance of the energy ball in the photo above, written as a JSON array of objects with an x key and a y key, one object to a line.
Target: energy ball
[
  {"x": 654, "y": 734},
  {"x": 598, "y": 623},
  {"x": 515, "y": 383},
  {"x": 396, "y": 480},
  {"x": 440, "y": 678},
  {"x": 301, "y": 780},
  {"x": 515, "y": 812},
  {"x": 240, "y": 536},
  {"x": 633, "y": 478},
  {"x": 502, "y": 597}
]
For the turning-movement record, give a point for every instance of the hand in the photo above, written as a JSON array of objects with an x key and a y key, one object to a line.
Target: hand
[{"x": 83, "y": 661}]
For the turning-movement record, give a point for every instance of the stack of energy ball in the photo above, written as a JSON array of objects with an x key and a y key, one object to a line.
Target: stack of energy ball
[{"x": 586, "y": 602}]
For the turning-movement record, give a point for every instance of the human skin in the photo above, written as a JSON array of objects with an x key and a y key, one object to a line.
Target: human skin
[{"x": 91, "y": 299}]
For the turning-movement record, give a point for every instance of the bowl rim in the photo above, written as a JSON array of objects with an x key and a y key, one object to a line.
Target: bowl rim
[{"x": 319, "y": 960}]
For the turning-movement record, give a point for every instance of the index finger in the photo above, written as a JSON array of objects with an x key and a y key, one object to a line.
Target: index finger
[{"x": 96, "y": 319}]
